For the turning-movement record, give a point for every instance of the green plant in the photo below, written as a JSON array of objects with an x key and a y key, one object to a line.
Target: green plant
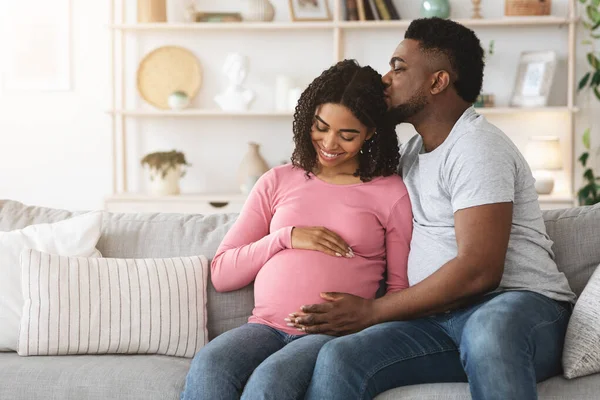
[
  {"x": 589, "y": 193},
  {"x": 162, "y": 161},
  {"x": 491, "y": 48}
]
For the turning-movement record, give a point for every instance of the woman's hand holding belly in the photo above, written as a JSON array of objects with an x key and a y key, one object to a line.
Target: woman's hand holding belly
[{"x": 320, "y": 239}]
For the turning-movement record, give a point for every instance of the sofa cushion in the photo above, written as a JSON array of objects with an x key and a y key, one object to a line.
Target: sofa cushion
[
  {"x": 92, "y": 377},
  {"x": 71, "y": 237},
  {"x": 576, "y": 236},
  {"x": 581, "y": 353},
  {"x": 79, "y": 305},
  {"x": 557, "y": 388},
  {"x": 155, "y": 236}
]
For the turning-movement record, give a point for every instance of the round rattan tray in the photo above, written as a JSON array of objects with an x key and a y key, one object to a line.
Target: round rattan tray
[{"x": 165, "y": 70}]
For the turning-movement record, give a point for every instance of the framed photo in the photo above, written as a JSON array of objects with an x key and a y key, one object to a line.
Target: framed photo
[
  {"x": 309, "y": 10},
  {"x": 36, "y": 42},
  {"x": 534, "y": 79}
]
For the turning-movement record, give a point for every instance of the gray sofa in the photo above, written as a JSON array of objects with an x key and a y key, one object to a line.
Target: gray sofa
[{"x": 576, "y": 233}]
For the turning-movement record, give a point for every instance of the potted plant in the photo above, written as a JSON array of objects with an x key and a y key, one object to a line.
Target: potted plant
[
  {"x": 166, "y": 169},
  {"x": 589, "y": 192}
]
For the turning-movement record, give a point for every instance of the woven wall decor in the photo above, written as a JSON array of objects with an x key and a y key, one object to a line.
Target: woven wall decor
[{"x": 166, "y": 70}]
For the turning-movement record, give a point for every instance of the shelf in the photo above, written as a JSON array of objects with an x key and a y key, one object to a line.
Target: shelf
[
  {"x": 492, "y": 22},
  {"x": 519, "y": 110},
  {"x": 555, "y": 198},
  {"x": 223, "y": 26},
  {"x": 188, "y": 113},
  {"x": 192, "y": 113},
  {"x": 403, "y": 24},
  {"x": 186, "y": 198},
  {"x": 239, "y": 197}
]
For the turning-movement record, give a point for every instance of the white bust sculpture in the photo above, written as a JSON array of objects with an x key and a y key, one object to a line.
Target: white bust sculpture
[{"x": 235, "y": 97}]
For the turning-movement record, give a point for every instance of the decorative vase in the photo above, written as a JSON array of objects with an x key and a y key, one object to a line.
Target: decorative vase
[
  {"x": 165, "y": 185},
  {"x": 258, "y": 10},
  {"x": 152, "y": 10},
  {"x": 178, "y": 100},
  {"x": 435, "y": 8},
  {"x": 253, "y": 165}
]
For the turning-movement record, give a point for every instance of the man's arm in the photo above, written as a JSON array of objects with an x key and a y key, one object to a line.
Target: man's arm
[{"x": 482, "y": 235}]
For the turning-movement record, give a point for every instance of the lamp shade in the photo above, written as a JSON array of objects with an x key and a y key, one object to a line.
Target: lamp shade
[{"x": 543, "y": 152}]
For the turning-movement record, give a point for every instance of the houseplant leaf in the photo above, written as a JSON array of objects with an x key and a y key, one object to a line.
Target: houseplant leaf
[
  {"x": 593, "y": 60},
  {"x": 584, "y": 157},
  {"x": 584, "y": 81},
  {"x": 586, "y": 139},
  {"x": 593, "y": 13},
  {"x": 582, "y": 195}
]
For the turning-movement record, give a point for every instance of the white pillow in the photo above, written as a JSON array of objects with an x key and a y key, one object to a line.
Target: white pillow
[
  {"x": 76, "y": 236},
  {"x": 581, "y": 353},
  {"x": 109, "y": 305}
]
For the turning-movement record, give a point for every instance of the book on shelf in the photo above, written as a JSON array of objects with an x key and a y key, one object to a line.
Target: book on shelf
[
  {"x": 352, "y": 10},
  {"x": 373, "y": 9},
  {"x": 370, "y": 10},
  {"x": 392, "y": 9}
]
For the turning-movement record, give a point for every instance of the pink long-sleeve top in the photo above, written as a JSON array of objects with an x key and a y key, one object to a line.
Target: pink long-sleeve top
[{"x": 374, "y": 218}]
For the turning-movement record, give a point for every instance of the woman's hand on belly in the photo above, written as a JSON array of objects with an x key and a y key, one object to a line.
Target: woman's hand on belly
[{"x": 320, "y": 239}]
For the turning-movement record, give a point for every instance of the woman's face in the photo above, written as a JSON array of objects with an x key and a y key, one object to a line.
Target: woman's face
[{"x": 337, "y": 136}]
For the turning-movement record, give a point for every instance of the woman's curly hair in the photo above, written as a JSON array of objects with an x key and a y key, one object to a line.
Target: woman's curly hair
[{"x": 361, "y": 90}]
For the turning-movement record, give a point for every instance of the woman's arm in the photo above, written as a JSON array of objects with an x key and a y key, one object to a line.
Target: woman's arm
[
  {"x": 397, "y": 243},
  {"x": 249, "y": 244}
]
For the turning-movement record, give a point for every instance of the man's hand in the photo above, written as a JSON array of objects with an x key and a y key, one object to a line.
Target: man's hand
[{"x": 342, "y": 314}]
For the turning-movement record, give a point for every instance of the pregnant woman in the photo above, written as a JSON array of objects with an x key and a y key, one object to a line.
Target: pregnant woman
[{"x": 328, "y": 222}]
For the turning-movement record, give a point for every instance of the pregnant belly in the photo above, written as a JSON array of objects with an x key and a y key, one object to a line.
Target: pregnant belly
[{"x": 293, "y": 278}]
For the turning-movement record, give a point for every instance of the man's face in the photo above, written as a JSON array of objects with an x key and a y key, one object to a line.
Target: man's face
[{"x": 407, "y": 82}]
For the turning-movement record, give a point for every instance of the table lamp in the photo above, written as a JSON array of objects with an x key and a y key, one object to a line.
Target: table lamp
[{"x": 543, "y": 155}]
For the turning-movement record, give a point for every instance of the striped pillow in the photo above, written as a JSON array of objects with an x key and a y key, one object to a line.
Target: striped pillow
[{"x": 78, "y": 305}]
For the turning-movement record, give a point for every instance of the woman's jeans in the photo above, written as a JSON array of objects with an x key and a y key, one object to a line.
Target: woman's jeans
[
  {"x": 263, "y": 362},
  {"x": 502, "y": 346}
]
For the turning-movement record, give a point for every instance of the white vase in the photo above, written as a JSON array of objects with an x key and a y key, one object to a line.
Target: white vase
[
  {"x": 178, "y": 100},
  {"x": 253, "y": 165},
  {"x": 258, "y": 10},
  {"x": 167, "y": 185}
]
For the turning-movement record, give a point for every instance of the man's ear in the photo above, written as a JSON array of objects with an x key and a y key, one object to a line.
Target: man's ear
[{"x": 441, "y": 80}]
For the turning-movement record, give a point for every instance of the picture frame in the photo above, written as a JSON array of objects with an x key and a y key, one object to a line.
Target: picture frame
[
  {"x": 309, "y": 10},
  {"x": 534, "y": 79}
]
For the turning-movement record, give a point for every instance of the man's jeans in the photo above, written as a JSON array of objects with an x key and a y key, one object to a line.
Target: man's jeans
[
  {"x": 502, "y": 345},
  {"x": 269, "y": 363}
]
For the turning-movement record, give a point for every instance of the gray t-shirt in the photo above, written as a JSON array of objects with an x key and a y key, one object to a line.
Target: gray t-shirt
[{"x": 477, "y": 164}]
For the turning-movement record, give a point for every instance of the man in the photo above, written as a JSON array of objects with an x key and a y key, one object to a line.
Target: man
[{"x": 486, "y": 302}]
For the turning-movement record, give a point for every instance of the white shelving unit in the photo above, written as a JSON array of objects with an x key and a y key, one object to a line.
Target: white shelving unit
[{"x": 122, "y": 200}]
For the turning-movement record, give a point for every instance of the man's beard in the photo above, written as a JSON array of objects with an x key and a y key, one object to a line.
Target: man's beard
[{"x": 403, "y": 112}]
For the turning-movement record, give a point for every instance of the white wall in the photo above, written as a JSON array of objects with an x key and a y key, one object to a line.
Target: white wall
[{"x": 55, "y": 148}]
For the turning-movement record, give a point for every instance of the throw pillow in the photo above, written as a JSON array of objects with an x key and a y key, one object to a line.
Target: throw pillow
[
  {"x": 75, "y": 236},
  {"x": 77, "y": 305},
  {"x": 581, "y": 353}
]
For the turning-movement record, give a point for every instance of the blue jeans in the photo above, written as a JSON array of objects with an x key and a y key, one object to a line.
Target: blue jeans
[
  {"x": 502, "y": 346},
  {"x": 263, "y": 362}
]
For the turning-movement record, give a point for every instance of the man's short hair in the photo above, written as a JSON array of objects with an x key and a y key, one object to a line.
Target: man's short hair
[{"x": 459, "y": 44}]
